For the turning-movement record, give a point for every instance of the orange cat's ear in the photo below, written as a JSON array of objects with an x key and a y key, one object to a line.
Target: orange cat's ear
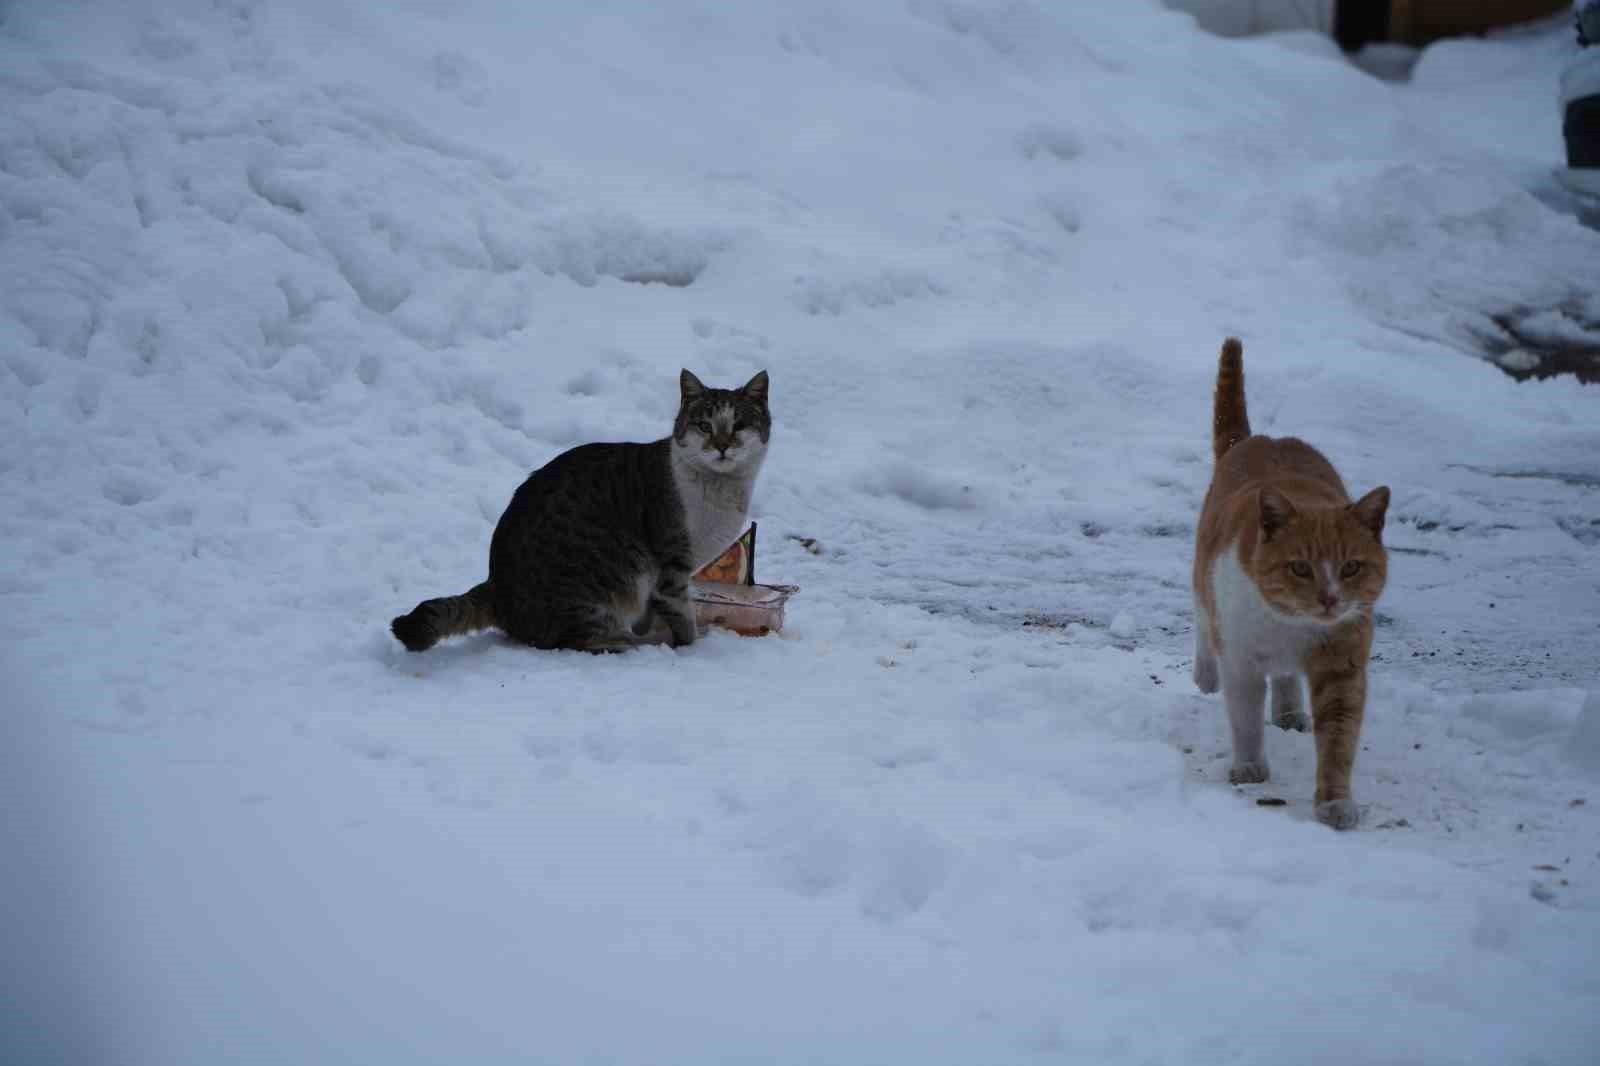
[
  {"x": 1370, "y": 509},
  {"x": 1276, "y": 512}
]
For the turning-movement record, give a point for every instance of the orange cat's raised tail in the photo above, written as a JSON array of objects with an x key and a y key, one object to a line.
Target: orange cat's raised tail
[{"x": 1230, "y": 422}]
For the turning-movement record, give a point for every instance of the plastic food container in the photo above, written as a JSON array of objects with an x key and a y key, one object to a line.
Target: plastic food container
[
  {"x": 749, "y": 610},
  {"x": 725, "y": 593}
]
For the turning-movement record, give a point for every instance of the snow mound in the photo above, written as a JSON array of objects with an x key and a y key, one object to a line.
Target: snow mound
[{"x": 1584, "y": 745}]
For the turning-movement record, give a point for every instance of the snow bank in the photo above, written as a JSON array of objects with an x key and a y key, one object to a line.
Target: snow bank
[{"x": 1584, "y": 746}]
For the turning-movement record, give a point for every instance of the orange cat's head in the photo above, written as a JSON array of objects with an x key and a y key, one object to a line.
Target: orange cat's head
[{"x": 1321, "y": 564}]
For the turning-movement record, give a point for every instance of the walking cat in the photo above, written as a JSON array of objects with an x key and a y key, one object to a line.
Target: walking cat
[
  {"x": 1286, "y": 573},
  {"x": 596, "y": 548}
]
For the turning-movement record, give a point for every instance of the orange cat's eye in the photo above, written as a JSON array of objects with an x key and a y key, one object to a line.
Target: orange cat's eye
[
  {"x": 1300, "y": 569},
  {"x": 1350, "y": 569}
]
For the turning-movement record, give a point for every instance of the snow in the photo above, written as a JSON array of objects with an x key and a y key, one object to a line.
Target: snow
[
  {"x": 1123, "y": 626},
  {"x": 1584, "y": 745},
  {"x": 293, "y": 295}
]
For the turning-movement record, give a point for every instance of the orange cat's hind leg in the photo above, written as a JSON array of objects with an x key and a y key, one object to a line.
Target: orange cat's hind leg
[
  {"x": 1206, "y": 678},
  {"x": 1288, "y": 704}
]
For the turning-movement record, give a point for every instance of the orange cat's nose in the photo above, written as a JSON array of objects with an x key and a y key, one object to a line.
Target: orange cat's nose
[{"x": 1328, "y": 600}]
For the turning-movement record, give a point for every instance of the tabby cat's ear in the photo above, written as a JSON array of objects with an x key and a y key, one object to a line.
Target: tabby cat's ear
[
  {"x": 690, "y": 385},
  {"x": 1276, "y": 512},
  {"x": 1370, "y": 509},
  {"x": 756, "y": 388}
]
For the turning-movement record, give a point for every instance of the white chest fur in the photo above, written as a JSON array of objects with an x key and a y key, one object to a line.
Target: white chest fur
[
  {"x": 716, "y": 508},
  {"x": 1253, "y": 635}
]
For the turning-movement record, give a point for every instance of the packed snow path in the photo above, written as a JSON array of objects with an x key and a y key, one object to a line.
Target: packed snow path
[{"x": 293, "y": 295}]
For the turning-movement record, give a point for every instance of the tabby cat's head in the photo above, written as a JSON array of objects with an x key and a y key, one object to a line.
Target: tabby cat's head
[
  {"x": 1323, "y": 564},
  {"x": 723, "y": 431}
]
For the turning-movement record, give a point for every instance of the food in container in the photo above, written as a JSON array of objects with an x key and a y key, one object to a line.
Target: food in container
[{"x": 725, "y": 593}]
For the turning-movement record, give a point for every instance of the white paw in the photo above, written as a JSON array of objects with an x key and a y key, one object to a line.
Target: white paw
[
  {"x": 1341, "y": 814},
  {"x": 1248, "y": 773},
  {"x": 1205, "y": 675},
  {"x": 1292, "y": 718}
]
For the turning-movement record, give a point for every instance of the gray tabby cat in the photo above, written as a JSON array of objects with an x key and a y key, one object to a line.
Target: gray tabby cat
[{"x": 596, "y": 548}]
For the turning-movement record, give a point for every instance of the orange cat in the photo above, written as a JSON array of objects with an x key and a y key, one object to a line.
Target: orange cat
[{"x": 1286, "y": 573}]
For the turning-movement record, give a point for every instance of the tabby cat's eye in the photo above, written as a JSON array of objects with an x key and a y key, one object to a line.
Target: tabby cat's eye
[
  {"x": 1350, "y": 569},
  {"x": 704, "y": 427},
  {"x": 738, "y": 426},
  {"x": 1300, "y": 569}
]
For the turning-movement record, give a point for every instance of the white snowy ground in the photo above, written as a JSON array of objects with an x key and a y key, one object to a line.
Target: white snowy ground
[{"x": 292, "y": 296}]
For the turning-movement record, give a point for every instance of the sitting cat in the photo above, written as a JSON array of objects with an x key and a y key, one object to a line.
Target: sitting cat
[
  {"x": 1286, "y": 573},
  {"x": 596, "y": 548}
]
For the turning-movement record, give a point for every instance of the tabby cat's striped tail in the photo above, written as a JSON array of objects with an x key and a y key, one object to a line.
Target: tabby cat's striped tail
[
  {"x": 448, "y": 616},
  {"x": 1230, "y": 422}
]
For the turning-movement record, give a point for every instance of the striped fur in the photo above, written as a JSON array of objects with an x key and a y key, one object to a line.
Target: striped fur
[
  {"x": 1230, "y": 422},
  {"x": 1337, "y": 671},
  {"x": 596, "y": 548},
  {"x": 1287, "y": 571},
  {"x": 448, "y": 616}
]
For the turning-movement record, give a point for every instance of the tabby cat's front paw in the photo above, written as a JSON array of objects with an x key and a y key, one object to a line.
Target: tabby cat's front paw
[
  {"x": 1248, "y": 773},
  {"x": 1339, "y": 813}
]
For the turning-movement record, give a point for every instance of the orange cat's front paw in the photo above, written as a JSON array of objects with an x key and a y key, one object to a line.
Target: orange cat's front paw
[
  {"x": 1205, "y": 675},
  {"x": 1339, "y": 813},
  {"x": 1248, "y": 773}
]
